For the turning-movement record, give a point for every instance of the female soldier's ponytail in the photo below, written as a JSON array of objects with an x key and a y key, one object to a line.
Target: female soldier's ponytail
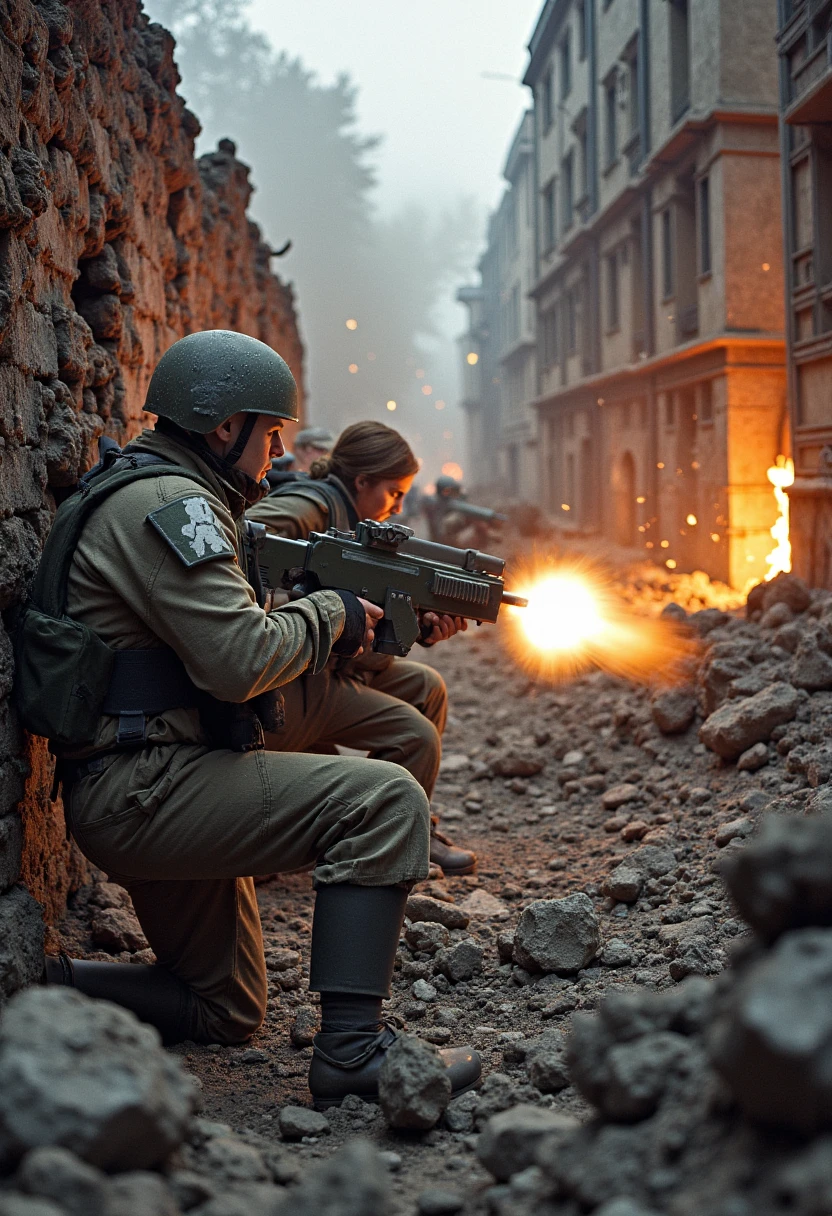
[{"x": 370, "y": 448}]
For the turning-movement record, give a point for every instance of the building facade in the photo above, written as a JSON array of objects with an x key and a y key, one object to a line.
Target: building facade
[
  {"x": 499, "y": 347},
  {"x": 805, "y": 45},
  {"x": 661, "y": 391}
]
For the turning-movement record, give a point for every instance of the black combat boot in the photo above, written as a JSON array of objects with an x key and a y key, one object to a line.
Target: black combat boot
[
  {"x": 454, "y": 861},
  {"x": 152, "y": 993},
  {"x": 355, "y": 932}
]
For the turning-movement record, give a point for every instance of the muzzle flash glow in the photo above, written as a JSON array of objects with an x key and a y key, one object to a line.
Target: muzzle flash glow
[{"x": 563, "y": 614}]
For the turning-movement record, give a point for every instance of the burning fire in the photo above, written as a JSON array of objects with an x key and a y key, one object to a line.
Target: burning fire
[
  {"x": 779, "y": 561},
  {"x": 575, "y": 621}
]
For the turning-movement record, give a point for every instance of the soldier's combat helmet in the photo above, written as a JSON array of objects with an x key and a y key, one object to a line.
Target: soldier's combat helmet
[
  {"x": 447, "y": 486},
  {"x": 207, "y": 377}
]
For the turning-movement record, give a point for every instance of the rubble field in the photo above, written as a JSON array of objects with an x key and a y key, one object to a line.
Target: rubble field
[{"x": 644, "y": 960}]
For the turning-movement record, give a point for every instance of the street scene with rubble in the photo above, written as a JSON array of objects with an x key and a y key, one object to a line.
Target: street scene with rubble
[{"x": 416, "y": 653}]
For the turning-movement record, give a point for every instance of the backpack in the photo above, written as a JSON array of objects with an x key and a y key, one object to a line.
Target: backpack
[{"x": 63, "y": 671}]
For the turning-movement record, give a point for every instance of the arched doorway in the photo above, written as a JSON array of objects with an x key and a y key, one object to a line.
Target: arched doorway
[{"x": 624, "y": 497}]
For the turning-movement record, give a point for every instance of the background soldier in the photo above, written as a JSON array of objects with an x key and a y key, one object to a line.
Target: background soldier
[
  {"x": 310, "y": 445},
  {"x": 393, "y": 708},
  {"x": 452, "y": 520},
  {"x": 153, "y": 792}
]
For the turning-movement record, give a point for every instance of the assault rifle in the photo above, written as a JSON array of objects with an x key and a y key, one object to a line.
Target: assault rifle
[
  {"x": 485, "y": 514},
  {"x": 386, "y": 564}
]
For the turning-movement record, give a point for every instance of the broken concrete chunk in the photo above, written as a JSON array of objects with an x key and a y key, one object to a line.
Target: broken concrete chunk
[
  {"x": 560, "y": 935},
  {"x": 414, "y": 1087},
  {"x": 424, "y": 908},
  {"x": 674, "y": 710},
  {"x": 738, "y": 725},
  {"x": 511, "y": 1139}
]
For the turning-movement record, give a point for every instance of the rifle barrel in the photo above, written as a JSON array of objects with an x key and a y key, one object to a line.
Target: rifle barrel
[{"x": 515, "y": 601}]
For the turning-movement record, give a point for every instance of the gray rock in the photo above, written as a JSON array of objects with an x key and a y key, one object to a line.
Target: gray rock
[
  {"x": 617, "y": 953},
  {"x": 773, "y": 1043},
  {"x": 414, "y": 1087},
  {"x": 226, "y": 1158},
  {"x": 304, "y": 1026},
  {"x": 438, "y": 1202},
  {"x": 27, "y": 1205},
  {"x": 785, "y": 589},
  {"x": 11, "y": 850},
  {"x": 559, "y": 935},
  {"x": 459, "y": 1116},
  {"x": 57, "y": 1174},
  {"x": 738, "y": 725},
  {"x": 547, "y": 1066},
  {"x": 88, "y": 1076},
  {"x": 627, "y": 1080},
  {"x": 695, "y": 956},
  {"x": 426, "y": 937},
  {"x": 426, "y": 909},
  {"x": 295, "y": 1122},
  {"x": 736, "y": 829},
  {"x": 511, "y": 1139},
  {"x": 21, "y": 941},
  {"x": 777, "y": 615},
  {"x": 500, "y": 1092},
  {"x": 460, "y": 962},
  {"x": 811, "y": 668},
  {"x": 353, "y": 1182},
  {"x": 625, "y": 1207},
  {"x": 783, "y": 878},
  {"x": 653, "y": 860},
  {"x": 820, "y": 802},
  {"x": 753, "y": 758},
  {"x": 141, "y": 1193},
  {"x": 674, "y": 710},
  {"x": 624, "y": 884},
  {"x": 423, "y": 991},
  {"x": 109, "y": 895}
]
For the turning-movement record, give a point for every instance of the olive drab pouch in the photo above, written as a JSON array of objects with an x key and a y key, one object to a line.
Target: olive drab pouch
[{"x": 62, "y": 668}]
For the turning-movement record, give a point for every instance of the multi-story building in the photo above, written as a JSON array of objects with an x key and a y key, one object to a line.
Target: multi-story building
[
  {"x": 661, "y": 389},
  {"x": 805, "y": 44},
  {"x": 499, "y": 347}
]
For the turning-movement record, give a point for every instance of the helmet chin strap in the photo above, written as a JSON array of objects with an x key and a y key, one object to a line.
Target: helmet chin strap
[{"x": 242, "y": 439}]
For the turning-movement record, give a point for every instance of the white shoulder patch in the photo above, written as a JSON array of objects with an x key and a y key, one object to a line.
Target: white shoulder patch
[{"x": 192, "y": 530}]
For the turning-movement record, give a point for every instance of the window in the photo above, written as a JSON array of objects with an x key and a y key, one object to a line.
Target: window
[
  {"x": 583, "y": 169},
  {"x": 580, "y": 13},
  {"x": 704, "y": 226},
  {"x": 706, "y": 401},
  {"x": 549, "y": 218},
  {"x": 679, "y": 59},
  {"x": 611, "y": 115},
  {"x": 632, "y": 89},
  {"x": 667, "y": 254},
  {"x": 613, "y": 307},
  {"x": 547, "y": 101},
  {"x": 551, "y": 337},
  {"x": 566, "y": 65},
  {"x": 568, "y": 190},
  {"x": 670, "y": 410},
  {"x": 572, "y": 323}
]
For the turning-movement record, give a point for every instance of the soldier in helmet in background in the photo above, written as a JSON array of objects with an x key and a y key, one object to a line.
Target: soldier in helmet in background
[
  {"x": 167, "y": 672},
  {"x": 311, "y": 444},
  {"x": 452, "y": 520}
]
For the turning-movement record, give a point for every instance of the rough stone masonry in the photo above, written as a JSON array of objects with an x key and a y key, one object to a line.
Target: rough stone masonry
[{"x": 114, "y": 242}]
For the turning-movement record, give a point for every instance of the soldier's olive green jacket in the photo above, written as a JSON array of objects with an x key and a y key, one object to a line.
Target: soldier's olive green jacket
[
  {"x": 293, "y": 515},
  {"x": 138, "y": 588}
]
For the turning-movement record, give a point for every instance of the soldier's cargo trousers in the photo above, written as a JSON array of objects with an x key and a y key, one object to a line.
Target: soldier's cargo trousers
[
  {"x": 183, "y": 827},
  {"x": 395, "y": 713}
]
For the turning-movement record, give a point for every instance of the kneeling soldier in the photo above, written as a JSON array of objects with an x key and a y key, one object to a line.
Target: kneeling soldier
[{"x": 144, "y": 654}]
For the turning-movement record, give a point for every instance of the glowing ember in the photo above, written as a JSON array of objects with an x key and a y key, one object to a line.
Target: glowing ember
[
  {"x": 779, "y": 561},
  {"x": 575, "y": 621}
]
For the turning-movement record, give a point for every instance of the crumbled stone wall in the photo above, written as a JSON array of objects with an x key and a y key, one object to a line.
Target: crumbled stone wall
[{"x": 114, "y": 242}]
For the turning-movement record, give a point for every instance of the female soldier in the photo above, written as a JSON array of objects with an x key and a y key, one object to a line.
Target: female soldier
[{"x": 393, "y": 708}]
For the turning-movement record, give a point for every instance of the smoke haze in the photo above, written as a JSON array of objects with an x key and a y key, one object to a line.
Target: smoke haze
[{"x": 386, "y": 255}]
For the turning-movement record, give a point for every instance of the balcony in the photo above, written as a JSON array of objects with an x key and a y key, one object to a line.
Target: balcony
[{"x": 811, "y": 88}]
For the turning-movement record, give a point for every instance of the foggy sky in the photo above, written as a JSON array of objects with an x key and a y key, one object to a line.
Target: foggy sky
[{"x": 418, "y": 66}]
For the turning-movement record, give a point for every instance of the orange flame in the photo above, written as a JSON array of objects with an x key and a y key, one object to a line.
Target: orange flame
[{"x": 779, "y": 561}]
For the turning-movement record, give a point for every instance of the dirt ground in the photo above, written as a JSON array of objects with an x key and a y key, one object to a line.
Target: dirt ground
[{"x": 541, "y": 837}]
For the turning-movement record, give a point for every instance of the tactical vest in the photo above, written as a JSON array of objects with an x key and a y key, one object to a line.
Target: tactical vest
[
  {"x": 67, "y": 678},
  {"x": 341, "y": 514}
]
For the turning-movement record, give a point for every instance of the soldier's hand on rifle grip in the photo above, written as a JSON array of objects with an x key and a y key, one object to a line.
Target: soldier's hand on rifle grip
[
  {"x": 438, "y": 627},
  {"x": 372, "y": 614}
]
